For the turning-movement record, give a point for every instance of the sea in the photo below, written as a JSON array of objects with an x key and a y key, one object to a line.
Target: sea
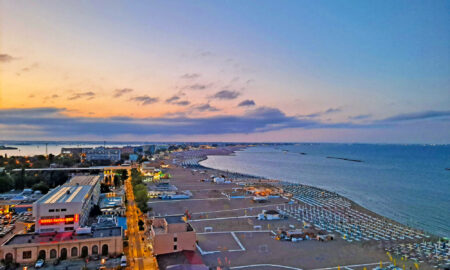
[{"x": 407, "y": 183}]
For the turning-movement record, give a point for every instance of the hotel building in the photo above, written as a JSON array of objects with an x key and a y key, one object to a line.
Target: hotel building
[
  {"x": 67, "y": 208},
  {"x": 60, "y": 214},
  {"x": 172, "y": 234}
]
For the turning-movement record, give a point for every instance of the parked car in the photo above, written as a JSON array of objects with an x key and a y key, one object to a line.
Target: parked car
[{"x": 40, "y": 263}]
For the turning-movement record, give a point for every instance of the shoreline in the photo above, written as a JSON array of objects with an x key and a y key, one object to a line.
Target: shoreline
[{"x": 354, "y": 204}]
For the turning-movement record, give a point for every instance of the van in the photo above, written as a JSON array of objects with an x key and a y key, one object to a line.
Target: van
[{"x": 123, "y": 261}]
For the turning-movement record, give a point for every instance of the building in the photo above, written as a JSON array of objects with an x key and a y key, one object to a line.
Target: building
[
  {"x": 133, "y": 157},
  {"x": 102, "y": 153},
  {"x": 149, "y": 149},
  {"x": 88, "y": 180},
  {"x": 112, "y": 205},
  {"x": 172, "y": 234},
  {"x": 73, "y": 150},
  {"x": 61, "y": 216},
  {"x": 67, "y": 207},
  {"x": 27, "y": 248},
  {"x": 270, "y": 215}
]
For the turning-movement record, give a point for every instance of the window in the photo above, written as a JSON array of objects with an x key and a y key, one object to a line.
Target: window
[
  {"x": 51, "y": 210},
  {"x": 26, "y": 255},
  {"x": 57, "y": 210},
  {"x": 53, "y": 254},
  {"x": 68, "y": 228},
  {"x": 63, "y": 210},
  {"x": 175, "y": 239},
  {"x": 74, "y": 252},
  {"x": 175, "y": 247}
]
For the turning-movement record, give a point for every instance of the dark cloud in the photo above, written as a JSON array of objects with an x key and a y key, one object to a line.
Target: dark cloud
[
  {"x": 87, "y": 95},
  {"x": 246, "y": 103},
  {"x": 226, "y": 94},
  {"x": 172, "y": 99},
  {"x": 182, "y": 103},
  {"x": 416, "y": 116},
  {"x": 190, "y": 76},
  {"x": 360, "y": 117},
  {"x": 206, "y": 107},
  {"x": 317, "y": 114},
  {"x": 54, "y": 122},
  {"x": 4, "y": 58},
  {"x": 175, "y": 99},
  {"x": 120, "y": 92},
  {"x": 54, "y": 96},
  {"x": 197, "y": 86},
  {"x": 145, "y": 100},
  {"x": 332, "y": 110}
]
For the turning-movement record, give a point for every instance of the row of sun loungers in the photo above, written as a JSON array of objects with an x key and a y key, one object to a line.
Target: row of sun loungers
[
  {"x": 333, "y": 213},
  {"x": 436, "y": 253}
]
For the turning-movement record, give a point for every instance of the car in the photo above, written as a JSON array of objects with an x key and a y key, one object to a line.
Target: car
[
  {"x": 123, "y": 261},
  {"x": 39, "y": 263},
  {"x": 101, "y": 267}
]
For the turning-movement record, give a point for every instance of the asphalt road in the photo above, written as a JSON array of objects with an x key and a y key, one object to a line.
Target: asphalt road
[{"x": 137, "y": 257}]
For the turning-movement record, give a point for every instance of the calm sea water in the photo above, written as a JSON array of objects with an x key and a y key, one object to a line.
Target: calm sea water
[{"x": 407, "y": 183}]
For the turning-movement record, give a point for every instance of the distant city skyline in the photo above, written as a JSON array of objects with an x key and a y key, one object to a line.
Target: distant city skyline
[{"x": 266, "y": 71}]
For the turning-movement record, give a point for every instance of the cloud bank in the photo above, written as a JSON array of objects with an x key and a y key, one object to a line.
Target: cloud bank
[{"x": 54, "y": 122}]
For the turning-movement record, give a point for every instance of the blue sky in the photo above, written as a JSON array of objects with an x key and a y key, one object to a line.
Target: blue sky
[{"x": 325, "y": 70}]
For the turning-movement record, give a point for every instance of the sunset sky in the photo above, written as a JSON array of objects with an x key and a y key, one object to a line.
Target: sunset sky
[{"x": 336, "y": 71}]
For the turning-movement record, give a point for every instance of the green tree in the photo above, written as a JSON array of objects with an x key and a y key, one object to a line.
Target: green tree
[
  {"x": 19, "y": 181},
  {"x": 104, "y": 188},
  {"x": 95, "y": 211},
  {"x": 41, "y": 186},
  {"x": 117, "y": 182},
  {"x": 124, "y": 175},
  {"x": 6, "y": 183}
]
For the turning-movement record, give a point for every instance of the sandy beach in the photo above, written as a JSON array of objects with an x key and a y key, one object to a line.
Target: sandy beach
[{"x": 236, "y": 238}]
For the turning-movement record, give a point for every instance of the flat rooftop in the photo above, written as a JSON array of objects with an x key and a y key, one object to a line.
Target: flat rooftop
[
  {"x": 83, "y": 180},
  {"x": 65, "y": 194},
  {"x": 20, "y": 239},
  {"x": 174, "y": 219},
  {"x": 108, "y": 202}
]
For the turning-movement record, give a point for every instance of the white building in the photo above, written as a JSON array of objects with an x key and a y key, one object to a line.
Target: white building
[
  {"x": 88, "y": 180},
  {"x": 67, "y": 207},
  {"x": 101, "y": 153}
]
